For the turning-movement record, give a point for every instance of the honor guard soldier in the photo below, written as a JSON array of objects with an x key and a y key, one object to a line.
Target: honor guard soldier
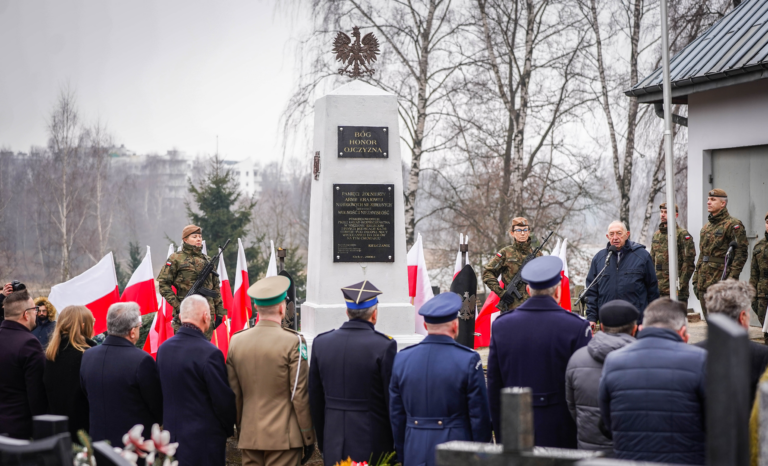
[
  {"x": 758, "y": 277},
  {"x": 508, "y": 261},
  {"x": 686, "y": 257},
  {"x": 349, "y": 383},
  {"x": 715, "y": 239},
  {"x": 268, "y": 371},
  {"x": 531, "y": 348},
  {"x": 438, "y": 390},
  {"x": 181, "y": 271}
]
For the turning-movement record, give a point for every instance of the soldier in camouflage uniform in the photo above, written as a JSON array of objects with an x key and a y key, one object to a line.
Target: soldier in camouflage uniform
[
  {"x": 686, "y": 257},
  {"x": 182, "y": 269},
  {"x": 507, "y": 262},
  {"x": 715, "y": 237},
  {"x": 758, "y": 277}
]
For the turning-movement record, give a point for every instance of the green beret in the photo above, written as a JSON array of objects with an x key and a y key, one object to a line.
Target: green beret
[{"x": 269, "y": 291}]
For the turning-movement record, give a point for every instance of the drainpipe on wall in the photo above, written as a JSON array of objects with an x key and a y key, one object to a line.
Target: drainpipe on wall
[{"x": 677, "y": 119}]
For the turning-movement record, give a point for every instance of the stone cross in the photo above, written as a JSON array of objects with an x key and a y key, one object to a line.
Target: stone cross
[{"x": 727, "y": 407}]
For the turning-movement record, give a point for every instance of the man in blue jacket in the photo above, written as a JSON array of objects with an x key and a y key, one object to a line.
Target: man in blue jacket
[
  {"x": 652, "y": 392},
  {"x": 198, "y": 405},
  {"x": 120, "y": 380},
  {"x": 629, "y": 274},
  {"x": 437, "y": 393}
]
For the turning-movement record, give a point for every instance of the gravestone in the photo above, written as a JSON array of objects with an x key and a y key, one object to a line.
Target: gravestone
[{"x": 356, "y": 222}]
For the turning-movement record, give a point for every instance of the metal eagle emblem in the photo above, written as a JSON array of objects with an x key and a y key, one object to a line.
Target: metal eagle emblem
[
  {"x": 468, "y": 306},
  {"x": 359, "y": 54}
]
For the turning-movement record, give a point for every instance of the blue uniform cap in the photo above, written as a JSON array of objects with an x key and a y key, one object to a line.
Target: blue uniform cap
[
  {"x": 542, "y": 272},
  {"x": 442, "y": 308}
]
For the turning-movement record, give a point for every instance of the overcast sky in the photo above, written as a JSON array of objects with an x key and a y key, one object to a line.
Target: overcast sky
[{"x": 161, "y": 74}]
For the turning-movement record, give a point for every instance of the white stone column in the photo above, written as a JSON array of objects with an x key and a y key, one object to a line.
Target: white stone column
[{"x": 355, "y": 104}]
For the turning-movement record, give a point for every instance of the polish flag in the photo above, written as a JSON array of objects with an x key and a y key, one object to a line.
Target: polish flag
[
  {"x": 221, "y": 334},
  {"x": 419, "y": 287},
  {"x": 141, "y": 287},
  {"x": 565, "y": 294},
  {"x": 272, "y": 266},
  {"x": 485, "y": 318},
  {"x": 457, "y": 266},
  {"x": 161, "y": 328},
  {"x": 241, "y": 304},
  {"x": 96, "y": 289},
  {"x": 556, "y": 250}
]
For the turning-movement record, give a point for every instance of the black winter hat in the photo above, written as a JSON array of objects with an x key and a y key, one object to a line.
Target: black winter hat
[{"x": 618, "y": 313}]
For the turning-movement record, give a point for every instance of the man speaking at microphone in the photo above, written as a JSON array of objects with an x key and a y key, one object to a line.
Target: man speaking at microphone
[{"x": 627, "y": 273}]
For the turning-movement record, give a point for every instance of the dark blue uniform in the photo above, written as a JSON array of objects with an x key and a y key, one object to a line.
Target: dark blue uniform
[
  {"x": 530, "y": 347},
  {"x": 349, "y": 376},
  {"x": 437, "y": 395}
]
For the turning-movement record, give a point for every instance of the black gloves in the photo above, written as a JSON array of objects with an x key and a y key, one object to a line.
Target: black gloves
[
  {"x": 308, "y": 450},
  {"x": 217, "y": 321}
]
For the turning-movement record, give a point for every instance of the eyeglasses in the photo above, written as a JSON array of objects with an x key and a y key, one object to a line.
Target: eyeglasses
[
  {"x": 521, "y": 230},
  {"x": 36, "y": 309}
]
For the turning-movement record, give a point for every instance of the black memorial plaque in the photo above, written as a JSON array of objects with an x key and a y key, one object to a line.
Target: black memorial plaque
[
  {"x": 369, "y": 142},
  {"x": 363, "y": 223}
]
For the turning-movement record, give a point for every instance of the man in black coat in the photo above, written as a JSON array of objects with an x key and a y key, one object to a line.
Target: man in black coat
[
  {"x": 120, "y": 380},
  {"x": 349, "y": 376},
  {"x": 734, "y": 299},
  {"x": 22, "y": 363},
  {"x": 198, "y": 405}
]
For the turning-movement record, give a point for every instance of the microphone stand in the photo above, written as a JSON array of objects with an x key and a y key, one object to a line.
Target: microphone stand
[
  {"x": 583, "y": 294},
  {"x": 725, "y": 266}
]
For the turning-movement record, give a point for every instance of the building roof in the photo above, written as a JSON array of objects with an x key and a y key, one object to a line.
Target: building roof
[{"x": 733, "y": 51}]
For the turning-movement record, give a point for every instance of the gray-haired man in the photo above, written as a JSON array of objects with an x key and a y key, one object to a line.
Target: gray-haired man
[{"x": 120, "y": 380}]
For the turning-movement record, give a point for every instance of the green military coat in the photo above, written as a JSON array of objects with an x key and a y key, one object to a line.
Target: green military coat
[
  {"x": 758, "y": 277},
  {"x": 686, "y": 259},
  {"x": 181, "y": 271},
  {"x": 507, "y": 263},
  {"x": 715, "y": 237}
]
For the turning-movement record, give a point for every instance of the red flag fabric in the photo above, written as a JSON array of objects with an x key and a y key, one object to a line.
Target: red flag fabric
[
  {"x": 565, "y": 294},
  {"x": 241, "y": 303},
  {"x": 96, "y": 289},
  {"x": 141, "y": 287},
  {"x": 483, "y": 320},
  {"x": 221, "y": 335},
  {"x": 161, "y": 328}
]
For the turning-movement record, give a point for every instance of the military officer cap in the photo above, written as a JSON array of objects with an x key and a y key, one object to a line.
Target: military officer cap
[
  {"x": 190, "y": 230},
  {"x": 717, "y": 193},
  {"x": 663, "y": 206},
  {"x": 269, "y": 291},
  {"x": 543, "y": 272},
  {"x": 361, "y": 295},
  {"x": 442, "y": 308},
  {"x": 618, "y": 313}
]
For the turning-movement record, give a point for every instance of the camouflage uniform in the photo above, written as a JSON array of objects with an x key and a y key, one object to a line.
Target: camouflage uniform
[
  {"x": 181, "y": 270},
  {"x": 686, "y": 260},
  {"x": 758, "y": 278},
  {"x": 715, "y": 237},
  {"x": 506, "y": 263}
]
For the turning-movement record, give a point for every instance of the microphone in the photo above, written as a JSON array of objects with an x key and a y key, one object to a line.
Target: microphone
[{"x": 611, "y": 250}]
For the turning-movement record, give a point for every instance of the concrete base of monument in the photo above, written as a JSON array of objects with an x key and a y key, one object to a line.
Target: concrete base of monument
[{"x": 395, "y": 320}]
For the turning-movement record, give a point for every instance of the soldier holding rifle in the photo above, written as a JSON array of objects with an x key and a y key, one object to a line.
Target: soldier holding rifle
[{"x": 182, "y": 271}]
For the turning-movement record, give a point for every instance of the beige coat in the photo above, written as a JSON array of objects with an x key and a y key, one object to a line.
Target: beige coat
[{"x": 262, "y": 364}]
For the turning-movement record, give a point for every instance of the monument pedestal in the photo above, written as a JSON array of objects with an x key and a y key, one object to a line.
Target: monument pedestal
[{"x": 356, "y": 221}]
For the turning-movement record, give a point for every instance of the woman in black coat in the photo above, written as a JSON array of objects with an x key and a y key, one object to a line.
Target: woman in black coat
[{"x": 72, "y": 337}]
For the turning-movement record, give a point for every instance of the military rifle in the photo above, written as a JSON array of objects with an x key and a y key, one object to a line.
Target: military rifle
[
  {"x": 510, "y": 290},
  {"x": 197, "y": 287}
]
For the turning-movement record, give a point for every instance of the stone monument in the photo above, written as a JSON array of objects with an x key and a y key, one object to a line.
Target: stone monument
[{"x": 356, "y": 221}]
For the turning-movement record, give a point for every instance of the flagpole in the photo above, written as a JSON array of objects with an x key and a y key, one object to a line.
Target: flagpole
[{"x": 669, "y": 164}]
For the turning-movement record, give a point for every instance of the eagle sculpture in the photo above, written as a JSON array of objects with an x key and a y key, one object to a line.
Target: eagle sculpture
[{"x": 359, "y": 54}]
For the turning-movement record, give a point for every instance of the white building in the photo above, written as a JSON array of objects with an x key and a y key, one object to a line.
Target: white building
[
  {"x": 721, "y": 77},
  {"x": 248, "y": 175}
]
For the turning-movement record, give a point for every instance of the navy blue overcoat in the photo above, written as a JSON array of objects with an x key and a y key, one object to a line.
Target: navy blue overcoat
[
  {"x": 198, "y": 405},
  {"x": 349, "y": 378},
  {"x": 530, "y": 347},
  {"x": 437, "y": 394},
  {"x": 123, "y": 390}
]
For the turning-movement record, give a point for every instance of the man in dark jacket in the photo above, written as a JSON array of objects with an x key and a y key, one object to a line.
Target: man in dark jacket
[
  {"x": 629, "y": 274},
  {"x": 198, "y": 405},
  {"x": 349, "y": 378},
  {"x": 530, "y": 347},
  {"x": 652, "y": 393},
  {"x": 22, "y": 364},
  {"x": 120, "y": 380},
  {"x": 618, "y": 322},
  {"x": 734, "y": 299},
  {"x": 437, "y": 393}
]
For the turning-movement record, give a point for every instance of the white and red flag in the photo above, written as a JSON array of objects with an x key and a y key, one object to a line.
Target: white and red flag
[
  {"x": 141, "y": 287},
  {"x": 485, "y": 318},
  {"x": 419, "y": 286},
  {"x": 241, "y": 302},
  {"x": 565, "y": 294},
  {"x": 221, "y": 334},
  {"x": 96, "y": 289},
  {"x": 458, "y": 265},
  {"x": 161, "y": 328}
]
